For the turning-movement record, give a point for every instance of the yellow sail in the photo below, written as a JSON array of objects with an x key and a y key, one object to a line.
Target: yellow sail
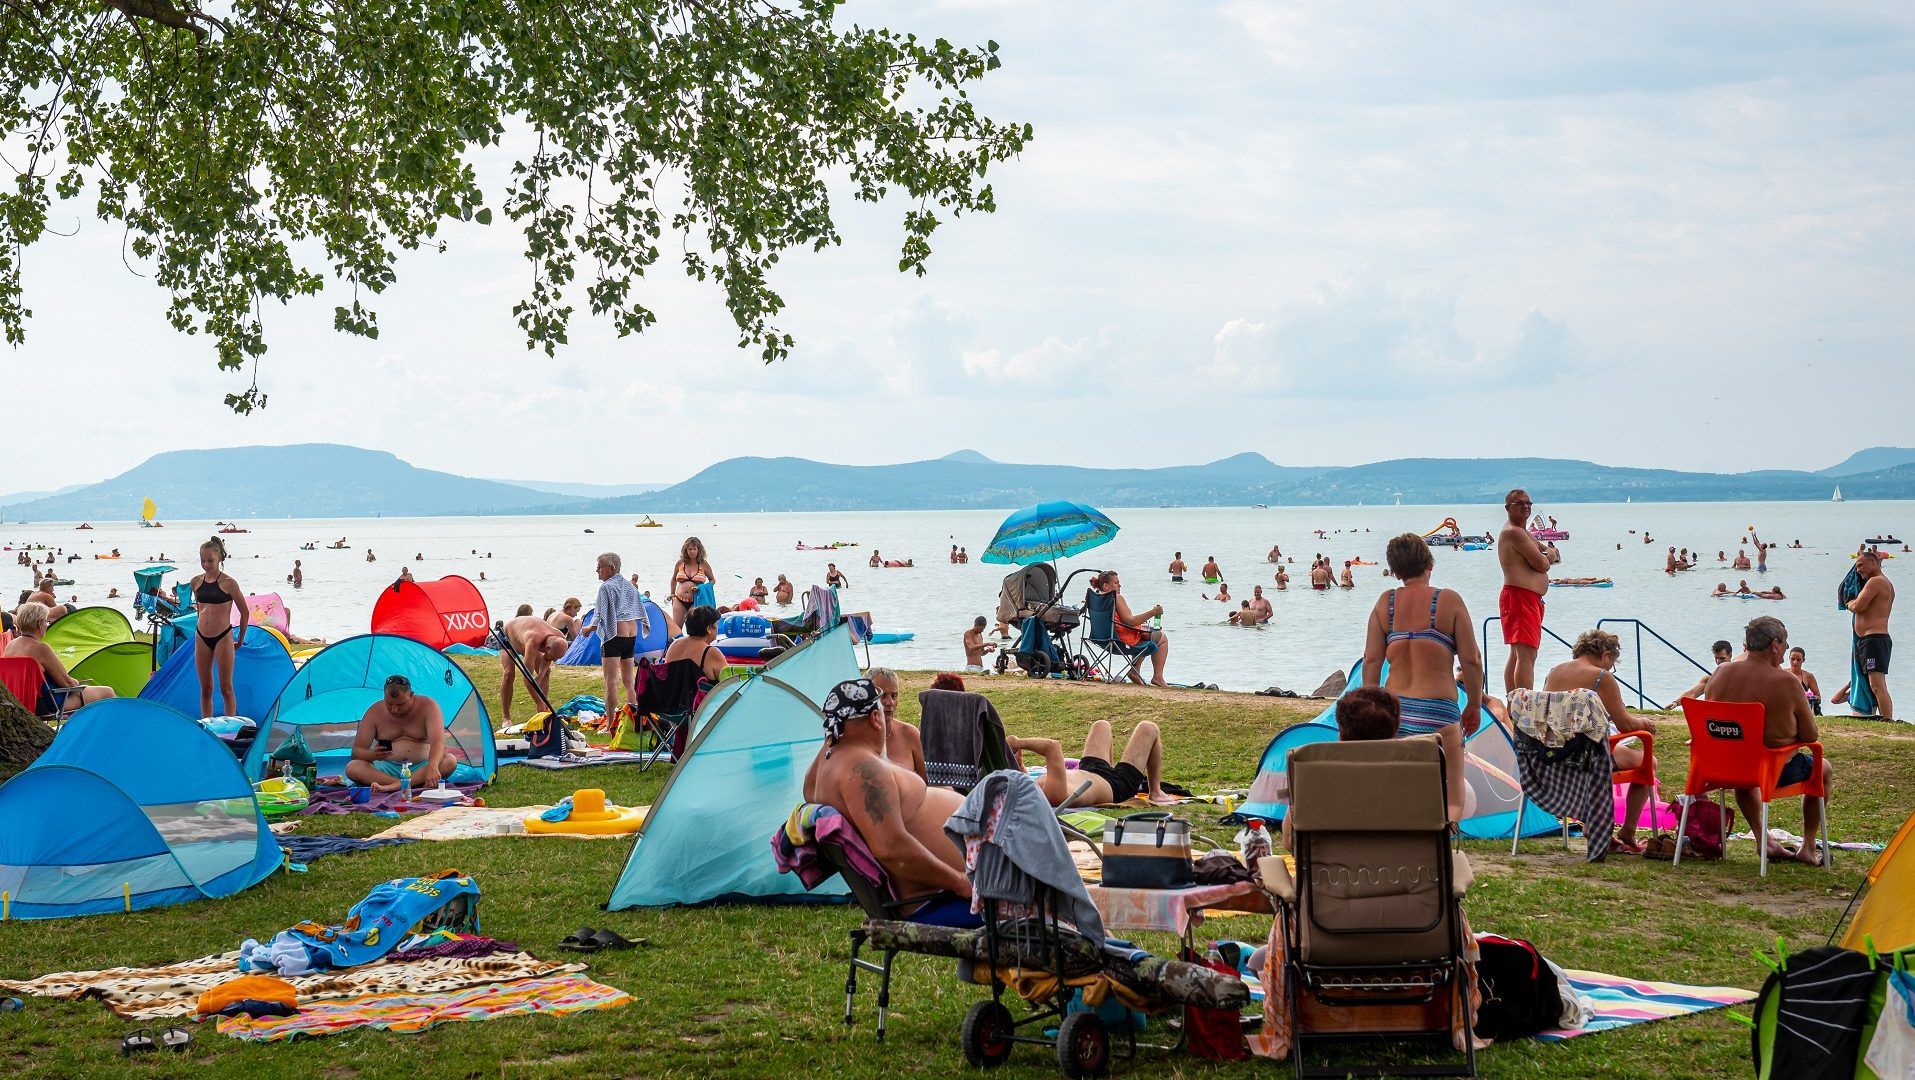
[{"x": 147, "y": 510}]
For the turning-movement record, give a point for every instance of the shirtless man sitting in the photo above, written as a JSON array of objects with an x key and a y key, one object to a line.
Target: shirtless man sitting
[
  {"x": 398, "y": 729},
  {"x": 1762, "y": 676},
  {"x": 1140, "y": 770},
  {"x": 900, "y": 817},
  {"x": 541, "y": 643}
]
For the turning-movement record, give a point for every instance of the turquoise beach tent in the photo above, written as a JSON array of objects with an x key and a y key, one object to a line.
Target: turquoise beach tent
[
  {"x": 324, "y": 701},
  {"x": 261, "y": 668},
  {"x": 133, "y": 806},
  {"x": 708, "y": 837},
  {"x": 588, "y": 651},
  {"x": 1489, "y": 770}
]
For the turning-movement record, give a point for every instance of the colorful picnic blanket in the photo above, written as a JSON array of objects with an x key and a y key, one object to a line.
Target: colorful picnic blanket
[
  {"x": 1620, "y": 1002},
  {"x": 160, "y": 993},
  {"x": 474, "y": 822},
  {"x": 408, "y": 1012},
  {"x": 582, "y": 760}
]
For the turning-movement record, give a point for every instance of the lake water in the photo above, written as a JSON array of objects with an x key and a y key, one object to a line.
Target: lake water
[{"x": 542, "y": 560}]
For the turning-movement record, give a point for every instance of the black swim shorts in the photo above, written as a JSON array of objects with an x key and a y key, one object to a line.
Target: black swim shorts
[
  {"x": 1799, "y": 768},
  {"x": 1871, "y": 653},
  {"x": 617, "y": 647},
  {"x": 1125, "y": 779}
]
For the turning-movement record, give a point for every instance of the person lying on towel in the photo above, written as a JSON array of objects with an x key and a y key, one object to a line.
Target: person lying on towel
[
  {"x": 1139, "y": 771},
  {"x": 899, "y": 816},
  {"x": 400, "y": 729}
]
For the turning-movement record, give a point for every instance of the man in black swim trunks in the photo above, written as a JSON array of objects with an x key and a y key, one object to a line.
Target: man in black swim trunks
[
  {"x": 1872, "y": 644},
  {"x": 1140, "y": 770}
]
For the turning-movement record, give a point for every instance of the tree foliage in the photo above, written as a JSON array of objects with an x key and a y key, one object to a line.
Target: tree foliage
[{"x": 236, "y": 142}]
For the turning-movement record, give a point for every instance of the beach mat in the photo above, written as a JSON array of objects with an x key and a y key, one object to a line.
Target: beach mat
[
  {"x": 1620, "y": 1002},
  {"x": 582, "y": 761},
  {"x": 405, "y": 1012},
  {"x": 478, "y": 822}
]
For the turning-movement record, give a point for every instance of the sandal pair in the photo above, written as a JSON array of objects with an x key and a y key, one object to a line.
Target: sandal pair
[
  {"x": 586, "y": 939},
  {"x": 141, "y": 1040}
]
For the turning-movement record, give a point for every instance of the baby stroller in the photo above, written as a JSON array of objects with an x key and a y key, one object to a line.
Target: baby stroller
[{"x": 1031, "y": 600}]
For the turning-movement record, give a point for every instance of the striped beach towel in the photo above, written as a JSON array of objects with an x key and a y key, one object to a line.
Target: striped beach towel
[
  {"x": 1620, "y": 1002},
  {"x": 553, "y": 996}
]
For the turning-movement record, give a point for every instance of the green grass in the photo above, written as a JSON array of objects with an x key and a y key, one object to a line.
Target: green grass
[{"x": 757, "y": 991}]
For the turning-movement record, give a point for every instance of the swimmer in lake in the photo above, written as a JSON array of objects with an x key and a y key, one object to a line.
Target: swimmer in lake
[
  {"x": 1741, "y": 560},
  {"x": 1283, "y": 578},
  {"x": 1349, "y": 581},
  {"x": 1177, "y": 567},
  {"x": 1223, "y": 592},
  {"x": 1211, "y": 571}
]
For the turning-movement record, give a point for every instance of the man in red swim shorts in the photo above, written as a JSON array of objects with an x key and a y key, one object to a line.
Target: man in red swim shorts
[{"x": 1525, "y": 580}]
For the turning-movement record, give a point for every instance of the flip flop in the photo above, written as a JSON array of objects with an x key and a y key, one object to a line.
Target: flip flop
[
  {"x": 176, "y": 1039},
  {"x": 581, "y": 936},
  {"x": 610, "y": 939},
  {"x": 139, "y": 1041}
]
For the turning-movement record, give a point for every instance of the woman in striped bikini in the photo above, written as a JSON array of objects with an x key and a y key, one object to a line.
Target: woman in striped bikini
[{"x": 1424, "y": 634}]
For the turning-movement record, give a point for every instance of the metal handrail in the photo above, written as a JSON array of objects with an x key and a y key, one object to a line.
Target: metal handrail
[
  {"x": 1641, "y": 697},
  {"x": 1640, "y": 626}
]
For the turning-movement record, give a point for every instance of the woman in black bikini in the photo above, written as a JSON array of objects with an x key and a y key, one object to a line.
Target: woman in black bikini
[{"x": 216, "y": 596}]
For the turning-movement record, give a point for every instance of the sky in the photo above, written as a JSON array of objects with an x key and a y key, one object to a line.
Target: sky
[{"x": 1650, "y": 234}]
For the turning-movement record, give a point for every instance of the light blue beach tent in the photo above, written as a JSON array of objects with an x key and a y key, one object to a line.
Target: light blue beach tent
[
  {"x": 708, "y": 837},
  {"x": 324, "y": 701},
  {"x": 261, "y": 668},
  {"x": 1490, "y": 771},
  {"x": 587, "y": 649},
  {"x": 133, "y": 806}
]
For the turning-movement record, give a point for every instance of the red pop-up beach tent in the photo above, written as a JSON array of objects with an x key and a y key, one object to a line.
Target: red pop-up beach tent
[{"x": 439, "y": 613}]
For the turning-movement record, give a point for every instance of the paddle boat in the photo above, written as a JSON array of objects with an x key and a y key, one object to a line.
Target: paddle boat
[
  {"x": 83, "y": 526},
  {"x": 648, "y": 523}
]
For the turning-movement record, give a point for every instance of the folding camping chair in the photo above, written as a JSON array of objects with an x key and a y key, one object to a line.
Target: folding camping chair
[
  {"x": 1727, "y": 751},
  {"x": 1113, "y": 657},
  {"x": 24, "y": 679},
  {"x": 876, "y": 903},
  {"x": 1373, "y": 917}
]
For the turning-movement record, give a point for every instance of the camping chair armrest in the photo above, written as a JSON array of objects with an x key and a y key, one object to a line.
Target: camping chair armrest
[
  {"x": 1274, "y": 875},
  {"x": 1462, "y": 876}
]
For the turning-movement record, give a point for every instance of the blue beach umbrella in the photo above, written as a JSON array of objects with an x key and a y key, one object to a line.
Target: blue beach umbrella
[{"x": 1047, "y": 532}]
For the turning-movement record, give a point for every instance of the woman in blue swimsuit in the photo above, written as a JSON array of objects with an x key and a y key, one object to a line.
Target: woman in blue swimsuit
[
  {"x": 216, "y": 596},
  {"x": 1428, "y": 661}
]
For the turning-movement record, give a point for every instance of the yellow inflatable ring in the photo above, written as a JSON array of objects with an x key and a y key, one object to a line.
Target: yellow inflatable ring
[{"x": 591, "y": 815}]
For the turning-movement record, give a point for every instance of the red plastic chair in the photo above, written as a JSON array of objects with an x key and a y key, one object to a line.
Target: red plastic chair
[
  {"x": 1642, "y": 774},
  {"x": 1727, "y": 752}
]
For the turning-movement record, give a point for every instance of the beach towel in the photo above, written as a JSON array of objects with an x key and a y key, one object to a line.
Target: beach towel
[
  {"x": 172, "y": 990},
  {"x": 474, "y": 822},
  {"x": 963, "y": 737},
  {"x": 338, "y": 800},
  {"x": 306, "y": 848},
  {"x": 392, "y": 909},
  {"x": 411, "y": 1012},
  {"x": 583, "y": 760},
  {"x": 1576, "y": 788},
  {"x": 1620, "y": 1002},
  {"x": 1861, "y": 697}
]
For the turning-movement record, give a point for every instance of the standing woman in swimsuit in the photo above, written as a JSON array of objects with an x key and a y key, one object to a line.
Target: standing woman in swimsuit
[
  {"x": 1425, "y": 634},
  {"x": 691, "y": 574},
  {"x": 216, "y": 596}
]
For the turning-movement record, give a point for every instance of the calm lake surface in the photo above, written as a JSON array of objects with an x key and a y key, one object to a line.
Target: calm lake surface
[{"x": 542, "y": 560}]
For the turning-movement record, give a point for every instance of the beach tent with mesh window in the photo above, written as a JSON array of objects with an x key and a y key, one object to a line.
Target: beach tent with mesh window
[
  {"x": 1496, "y": 792},
  {"x": 124, "y": 665},
  {"x": 133, "y": 806},
  {"x": 79, "y": 634},
  {"x": 707, "y": 838},
  {"x": 437, "y": 613},
  {"x": 1886, "y": 921},
  {"x": 261, "y": 668},
  {"x": 325, "y": 699}
]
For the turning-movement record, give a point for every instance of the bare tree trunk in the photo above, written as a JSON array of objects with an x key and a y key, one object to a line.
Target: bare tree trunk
[{"x": 23, "y": 736}]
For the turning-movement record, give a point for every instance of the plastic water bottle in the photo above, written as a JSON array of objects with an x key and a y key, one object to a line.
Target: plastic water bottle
[
  {"x": 1253, "y": 842},
  {"x": 285, "y": 768},
  {"x": 405, "y": 780}
]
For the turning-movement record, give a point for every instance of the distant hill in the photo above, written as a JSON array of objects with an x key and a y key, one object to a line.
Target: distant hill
[
  {"x": 1874, "y": 459},
  {"x": 325, "y": 480},
  {"x": 311, "y": 480},
  {"x": 585, "y": 491},
  {"x": 29, "y": 496}
]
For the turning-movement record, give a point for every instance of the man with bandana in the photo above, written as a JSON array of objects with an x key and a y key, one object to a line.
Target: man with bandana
[{"x": 900, "y": 817}]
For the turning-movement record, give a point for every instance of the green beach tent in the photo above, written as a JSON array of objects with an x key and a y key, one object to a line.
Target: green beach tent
[
  {"x": 124, "y": 665},
  {"x": 79, "y": 634}
]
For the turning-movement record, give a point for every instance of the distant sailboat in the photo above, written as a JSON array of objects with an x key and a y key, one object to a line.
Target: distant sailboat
[
  {"x": 1837, "y": 497},
  {"x": 147, "y": 512}
]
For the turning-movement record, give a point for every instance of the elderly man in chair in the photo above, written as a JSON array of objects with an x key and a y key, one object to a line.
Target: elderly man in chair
[{"x": 900, "y": 817}]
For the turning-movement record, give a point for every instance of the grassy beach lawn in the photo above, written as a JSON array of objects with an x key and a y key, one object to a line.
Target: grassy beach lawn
[{"x": 758, "y": 991}]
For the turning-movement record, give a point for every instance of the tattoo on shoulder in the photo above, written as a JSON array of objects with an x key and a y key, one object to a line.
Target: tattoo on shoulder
[{"x": 877, "y": 801}]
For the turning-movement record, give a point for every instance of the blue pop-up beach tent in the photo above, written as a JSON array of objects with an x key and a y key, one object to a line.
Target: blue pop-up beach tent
[
  {"x": 324, "y": 701},
  {"x": 588, "y": 651},
  {"x": 708, "y": 836},
  {"x": 1489, "y": 770},
  {"x": 261, "y": 668},
  {"x": 133, "y": 806}
]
